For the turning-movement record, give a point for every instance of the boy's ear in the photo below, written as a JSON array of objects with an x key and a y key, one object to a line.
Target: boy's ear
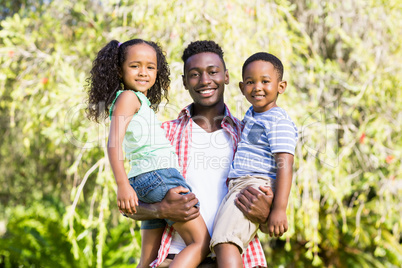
[
  {"x": 282, "y": 86},
  {"x": 227, "y": 77},
  {"x": 241, "y": 86},
  {"x": 184, "y": 82}
]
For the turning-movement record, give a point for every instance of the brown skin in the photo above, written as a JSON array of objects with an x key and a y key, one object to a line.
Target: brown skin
[
  {"x": 204, "y": 77},
  {"x": 254, "y": 204},
  {"x": 195, "y": 235},
  {"x": 150, "y": 240},
  {"x": 202, "y": 71},
  {"x": 277, "y": 221},
  {"x": 139, "y": 73},
  {"x": 261, "y": 87},
  {"x": 229, "y": 256},
  {"x": 174, "y": 206},
  {"x": 126, "y": 106}
]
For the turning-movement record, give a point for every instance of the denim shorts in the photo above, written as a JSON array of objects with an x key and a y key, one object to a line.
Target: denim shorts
[{"x": 151, "y": 187}]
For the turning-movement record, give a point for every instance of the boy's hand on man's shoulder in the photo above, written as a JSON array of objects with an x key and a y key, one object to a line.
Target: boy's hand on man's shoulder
[{"x": 254, "y": 204}]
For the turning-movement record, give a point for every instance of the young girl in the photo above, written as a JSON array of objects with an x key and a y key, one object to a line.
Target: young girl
[{"x": 126, "y": 79}]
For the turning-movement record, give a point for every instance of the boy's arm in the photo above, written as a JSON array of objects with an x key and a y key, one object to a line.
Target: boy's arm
[
  {"x": 174, "y": 206},
  {"x": 256, "y": 206},
  {"x": 283, "y": 180},
  {"x": 277, "y": 221}
]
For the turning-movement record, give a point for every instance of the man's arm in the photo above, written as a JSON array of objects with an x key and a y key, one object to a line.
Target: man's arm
[{"x": 174, "y": 206}]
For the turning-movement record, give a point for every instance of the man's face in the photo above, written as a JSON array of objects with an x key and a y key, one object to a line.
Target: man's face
[{"x": 205, "y": 78}]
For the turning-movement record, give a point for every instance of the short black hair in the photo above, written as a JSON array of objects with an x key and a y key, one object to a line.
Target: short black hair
[
  {"x": 202, "y": 46},
  {"x": 264, "y": 56}
]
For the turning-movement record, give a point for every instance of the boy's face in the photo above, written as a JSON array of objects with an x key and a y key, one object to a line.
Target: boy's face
[
  {"x": 205, "y": 78},
  {"x": 261, "y": 86}
]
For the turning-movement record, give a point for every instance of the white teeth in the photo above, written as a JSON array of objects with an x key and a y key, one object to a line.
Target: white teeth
[{"x": 206, "y": 91}]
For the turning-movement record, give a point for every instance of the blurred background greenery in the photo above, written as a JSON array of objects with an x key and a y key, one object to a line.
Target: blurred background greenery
[{"x": 343, "y": 66}]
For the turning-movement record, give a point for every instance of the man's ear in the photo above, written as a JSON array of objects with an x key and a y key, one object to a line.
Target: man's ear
[
  {"x": 184, "y": 82},
  {"x": 241, "y": 86},
  {"x": 227, "y": 77},
  {"x": 282, "y": 86}
]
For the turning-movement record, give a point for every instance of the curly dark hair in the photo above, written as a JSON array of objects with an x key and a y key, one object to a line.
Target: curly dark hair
[
  {"x": 104, "y": 80},
  {"x": 264, "y": 56},
  {"x": 202, "y": 46}
]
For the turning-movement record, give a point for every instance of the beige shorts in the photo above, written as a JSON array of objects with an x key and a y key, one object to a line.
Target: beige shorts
[{"x": 230, "y": 225}]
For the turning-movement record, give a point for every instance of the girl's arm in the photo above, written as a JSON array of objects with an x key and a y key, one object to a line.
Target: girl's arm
[
  {"x": 277, "y": 220},
  {"x": 125, "y": 107},
  {"x": 174, "y": 206}
]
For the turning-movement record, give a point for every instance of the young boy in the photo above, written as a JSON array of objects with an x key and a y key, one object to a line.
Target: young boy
[{"x": 264, "y": 157}]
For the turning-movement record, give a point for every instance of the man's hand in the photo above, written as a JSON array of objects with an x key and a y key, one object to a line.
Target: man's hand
[
  {"x": 254, "y": 204},
  {"x": 177, "y": 207}
]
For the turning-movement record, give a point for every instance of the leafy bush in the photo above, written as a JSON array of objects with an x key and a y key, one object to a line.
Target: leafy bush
[{"x": 342, "y": 64}]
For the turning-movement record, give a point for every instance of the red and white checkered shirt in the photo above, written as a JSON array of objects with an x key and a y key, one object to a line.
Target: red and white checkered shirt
[{"x": 179, "y": 133}]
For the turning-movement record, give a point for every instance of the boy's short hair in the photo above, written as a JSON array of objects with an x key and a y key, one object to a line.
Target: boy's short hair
[
  {"x": 202, "y": 46},
  {"x": 264, "y": 56}
]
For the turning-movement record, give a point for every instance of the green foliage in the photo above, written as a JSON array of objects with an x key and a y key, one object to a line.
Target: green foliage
[
  {"x": 342, "y": 64},
  {"x": 35, "y": 238}
]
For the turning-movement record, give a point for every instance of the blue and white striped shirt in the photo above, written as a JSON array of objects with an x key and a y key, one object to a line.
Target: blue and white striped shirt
[{"x": 264, "y": 134}]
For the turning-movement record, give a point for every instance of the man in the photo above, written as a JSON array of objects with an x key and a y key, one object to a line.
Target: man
[{"x": 205, "y": 136}]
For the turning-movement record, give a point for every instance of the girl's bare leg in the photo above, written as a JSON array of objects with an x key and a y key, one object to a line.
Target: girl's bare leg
[
  {"x": 150, "y": 242},
  {"x": 195, "y": 235}
]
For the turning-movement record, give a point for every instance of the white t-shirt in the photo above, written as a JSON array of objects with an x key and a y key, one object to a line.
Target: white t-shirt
[{"x": 209, "y": 160}]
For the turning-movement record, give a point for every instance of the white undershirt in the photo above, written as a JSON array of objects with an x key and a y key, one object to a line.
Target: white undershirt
[{"x": 209, "y": 160}]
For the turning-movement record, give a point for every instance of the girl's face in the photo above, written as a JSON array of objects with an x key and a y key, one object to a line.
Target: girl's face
[{"x": 140, "y": 68}]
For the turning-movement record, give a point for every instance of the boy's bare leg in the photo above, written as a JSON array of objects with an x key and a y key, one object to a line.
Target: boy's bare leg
[
  {"x": 166, "y": 263},
  {"x": 150, "y": 242},
  {"x": 228, "y": 256},
  {"x": 195, "y": 235}
]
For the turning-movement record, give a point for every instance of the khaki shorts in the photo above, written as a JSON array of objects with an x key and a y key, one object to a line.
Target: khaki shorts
[{"x": 230, "y": 225}]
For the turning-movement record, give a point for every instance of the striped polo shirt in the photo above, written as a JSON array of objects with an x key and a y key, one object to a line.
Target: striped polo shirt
[
  {"x": 179, "y": 132},
  {"x": 264, "y": 134}
]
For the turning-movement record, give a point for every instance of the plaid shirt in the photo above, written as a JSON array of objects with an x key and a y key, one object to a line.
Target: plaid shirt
[{"x": 179, "y": 133}]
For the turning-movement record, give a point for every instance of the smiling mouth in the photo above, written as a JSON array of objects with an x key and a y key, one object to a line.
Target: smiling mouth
[
  {"x": 141, "y": 81},
  {"x": 206, "y": 92},
  {"x": 259, "y": 97}
]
